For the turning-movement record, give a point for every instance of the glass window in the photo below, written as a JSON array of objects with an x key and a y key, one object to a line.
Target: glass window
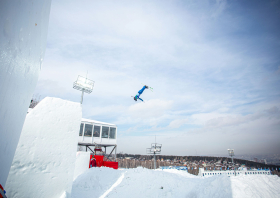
[
  {"x": 112, "y": 134},
  {"x": 88, "y": 130},
  {"x": 96, "y": 132},
  {"x": 81, "y": 129},
  {"x": 105, "y": 131}
]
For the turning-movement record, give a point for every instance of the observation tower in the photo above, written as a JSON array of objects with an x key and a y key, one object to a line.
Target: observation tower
[{"x": 99, "y": 135}]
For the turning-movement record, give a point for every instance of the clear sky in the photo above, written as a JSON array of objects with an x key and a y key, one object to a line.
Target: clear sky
[{"x": 214, "y": 67}]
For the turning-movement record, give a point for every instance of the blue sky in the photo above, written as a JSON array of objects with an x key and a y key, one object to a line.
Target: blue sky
[{"x": 214, "y": 67}]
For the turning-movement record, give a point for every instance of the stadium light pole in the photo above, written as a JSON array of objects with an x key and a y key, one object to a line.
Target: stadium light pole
[
  {"x": 83, "y": 84},
  {"x": 155, "y": 149},
  {"x": 231, "y": 154}
]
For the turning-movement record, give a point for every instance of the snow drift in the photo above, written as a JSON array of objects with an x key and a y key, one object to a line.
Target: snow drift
[
  {"x": 141, "y": 182},
  {"x": 44, "y": 161}
]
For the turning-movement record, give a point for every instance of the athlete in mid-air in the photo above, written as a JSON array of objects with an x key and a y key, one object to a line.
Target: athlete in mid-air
[{"x": 140, "y": 92}]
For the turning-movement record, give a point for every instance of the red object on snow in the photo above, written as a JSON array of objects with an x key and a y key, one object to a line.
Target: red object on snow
[
  {"x": 100, "y": 162},
  {"x": 2, "y": 190},
  {"x": 113, "y": 165}
]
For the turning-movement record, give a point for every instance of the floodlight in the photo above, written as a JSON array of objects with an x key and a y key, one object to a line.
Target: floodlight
[
  {"x": 231, "y": 152},
  {"x": 155, "y": 149},
  {"x": 83, "y": 84}
]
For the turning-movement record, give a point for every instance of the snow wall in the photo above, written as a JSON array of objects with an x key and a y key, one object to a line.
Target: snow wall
[
  {"x": 23, "y": 36},
  {"x": 45, "y": 157},
  {"x": 82, "y": 163}
]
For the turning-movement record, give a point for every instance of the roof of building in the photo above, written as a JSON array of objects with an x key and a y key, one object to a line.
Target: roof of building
[{"x": 97, "y": 122}]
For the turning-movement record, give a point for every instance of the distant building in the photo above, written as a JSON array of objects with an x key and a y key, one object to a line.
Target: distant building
[{"x": 209, "y": 173}]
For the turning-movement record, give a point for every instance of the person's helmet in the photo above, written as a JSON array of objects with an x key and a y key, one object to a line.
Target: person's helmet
[{"x": 135, "y": 98}]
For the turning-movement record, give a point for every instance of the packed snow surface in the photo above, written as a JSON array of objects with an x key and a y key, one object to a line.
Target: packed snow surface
[
  {"x": 23, "y": 38},
  {"x": 44, "y": 161},
  {"x": 141, "y": 182},
  {"x": 82, "y": 163}
]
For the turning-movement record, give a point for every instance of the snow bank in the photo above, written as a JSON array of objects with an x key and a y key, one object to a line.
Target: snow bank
[
  {"x": 256, "y": 186},
  {"x": 23, "y": 36},
  {"x": 140, "y": 182},
  {"x": 95, "y": 182},
  {"x": 150, "y": 183},
  {"x": 82, "y": 163},
  {"x": 44, "y": 161}
]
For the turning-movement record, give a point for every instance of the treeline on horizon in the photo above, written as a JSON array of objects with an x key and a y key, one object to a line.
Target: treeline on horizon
[{"x": 247, "y": 163}]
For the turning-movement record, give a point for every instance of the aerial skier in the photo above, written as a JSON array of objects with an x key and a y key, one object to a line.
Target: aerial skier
[{"x": 140, "y": 92}]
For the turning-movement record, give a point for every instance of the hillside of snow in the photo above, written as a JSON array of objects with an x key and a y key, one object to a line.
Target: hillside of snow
[{"x": 141, "y": 182}]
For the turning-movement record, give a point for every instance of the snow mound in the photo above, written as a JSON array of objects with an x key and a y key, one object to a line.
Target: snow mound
[
  {"x": 95, "y": 182},
  {"x": 169, "y": 183},
  {"x": 44, "y": 160},
  {"x": 256, "y": 186},
  {"x": 141, "y": 182}
]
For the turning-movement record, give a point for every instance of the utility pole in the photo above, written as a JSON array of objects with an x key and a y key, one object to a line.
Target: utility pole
[
  {"x": 155, "y": 149},
  {"x": 231, "y": 154}
]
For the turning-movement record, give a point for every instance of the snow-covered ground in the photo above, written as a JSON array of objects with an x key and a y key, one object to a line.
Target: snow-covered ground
[{"x": 140, "y": 182}]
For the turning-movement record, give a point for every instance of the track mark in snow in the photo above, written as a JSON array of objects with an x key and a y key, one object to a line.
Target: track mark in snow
[{"x": 113, "y": 186}]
